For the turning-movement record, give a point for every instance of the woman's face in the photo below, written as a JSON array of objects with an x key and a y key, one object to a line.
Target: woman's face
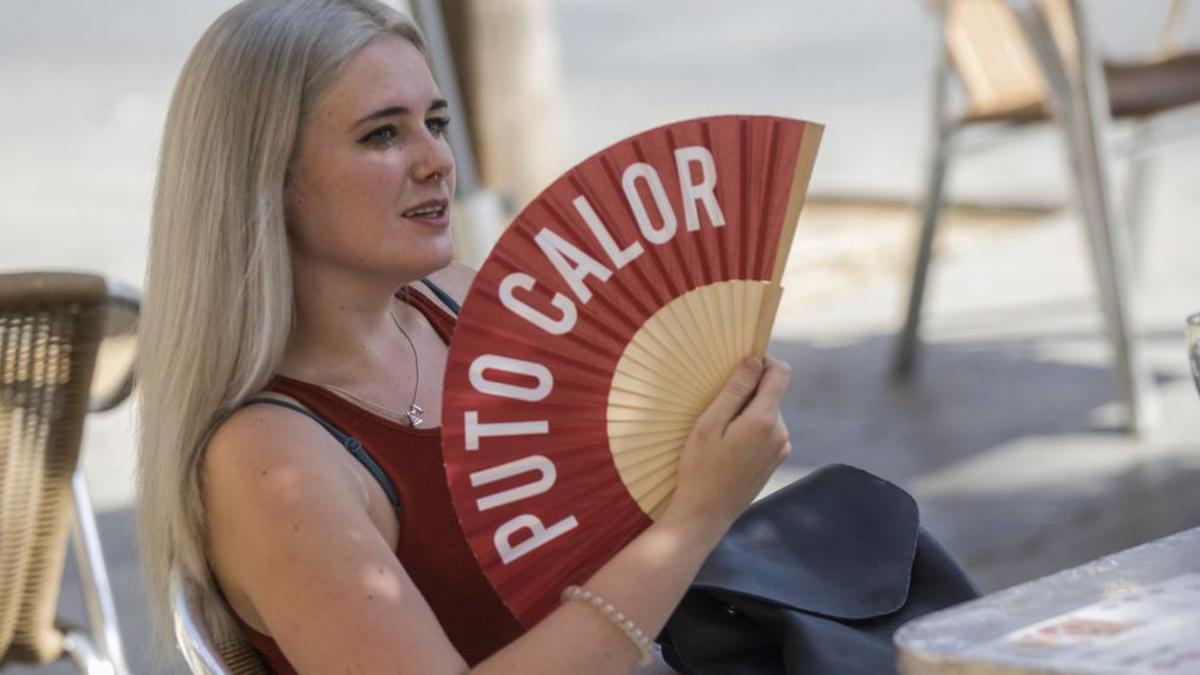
[{"x": 370, "y": 185}]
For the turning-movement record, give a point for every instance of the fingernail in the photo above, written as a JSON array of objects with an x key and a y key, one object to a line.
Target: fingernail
[{"x": 752, "y": 362}]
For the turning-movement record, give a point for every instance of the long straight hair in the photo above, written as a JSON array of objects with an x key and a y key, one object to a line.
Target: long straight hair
[{"x": 218, "y": 308}]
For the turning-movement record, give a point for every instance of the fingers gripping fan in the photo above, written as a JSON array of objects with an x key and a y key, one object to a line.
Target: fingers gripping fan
[{"x": 603, "y": 323}]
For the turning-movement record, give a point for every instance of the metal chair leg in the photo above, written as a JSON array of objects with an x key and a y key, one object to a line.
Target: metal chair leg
[
  {"x": 84, "y": 654},
  {"x": 1079, "y": 102},
  {"x": 93, "y": 577},
  {"x": 1141, "y": 172},
  {"x": 907, "y": 342}
]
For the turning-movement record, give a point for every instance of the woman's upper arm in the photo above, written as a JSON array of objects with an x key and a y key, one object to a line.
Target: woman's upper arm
[{"x": 289, "y": 531}]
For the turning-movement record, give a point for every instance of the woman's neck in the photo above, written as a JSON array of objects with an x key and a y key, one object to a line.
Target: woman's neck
[{"x": 345, "y": 330}]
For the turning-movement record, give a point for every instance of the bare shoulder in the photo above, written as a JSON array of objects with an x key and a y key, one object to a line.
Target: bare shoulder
[
  {"x": 266, "y": 471},
  {"x": 455, "y": 279},
  {"x": 290, "y": 538},
  {"x": 268, "y": 448}
]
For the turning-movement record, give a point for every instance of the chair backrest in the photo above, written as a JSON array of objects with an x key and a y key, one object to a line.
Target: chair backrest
[
  {"x": 999, "y": 71},
  {"x": 204, "y": 654},
  {"x": 50, "y": 329}
]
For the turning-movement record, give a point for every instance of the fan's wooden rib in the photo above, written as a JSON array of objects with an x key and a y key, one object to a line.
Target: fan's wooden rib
[
  {"x": 634, "y": 366},
  {"x": 662, "y": 327},
  {"x": 646, "y": 483},
  {"x": 681, "y": 377},
  {"x": 766, "y": 319},
  {"x": 628, "y": 460},
  {"x": 734, "y": 294},
  {"x": 624, "y": 414},
  {"x": 805, "y": 159},
  {"x": 661, "y": 401},
  {"x": 649, "y": 391},
  {"x": 633, "y": 473},
  {"x": 655, "y": 501},
  {"x": 649, "y": 440},
  {"x": 725, "y": 305},
  {"x": 658, "y": 371},
  {"x": 675, "y": 324},
  {"x": 623, "y": 429},
  {"x": 625, "y": 401},
  {"x": 750, "y": 313},
  {"x": 723, "y": 324},
  {"x": 676, "y": 320},
  {"x": 702, "y": 328},
  {"x": 652, "y": 343},
  {"x": 742, "y": 296},
  {"x": 698, "y": 304},
  {"x": 632, "y": 448},
  {"x": 636, "y": 463}
]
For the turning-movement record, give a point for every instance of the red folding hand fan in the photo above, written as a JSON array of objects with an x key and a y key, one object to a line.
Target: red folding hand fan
[{"x": 605, "y": 320}]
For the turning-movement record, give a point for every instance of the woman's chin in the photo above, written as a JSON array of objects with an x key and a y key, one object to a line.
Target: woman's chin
[{"x": 429, "y": 259}]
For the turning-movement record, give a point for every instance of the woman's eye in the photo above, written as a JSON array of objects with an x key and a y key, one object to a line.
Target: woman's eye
[
  {"x": 437, "y": 125},
  {"x": 381, "y": 136}
]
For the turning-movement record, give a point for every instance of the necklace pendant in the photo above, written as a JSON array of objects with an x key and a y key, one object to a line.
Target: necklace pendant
[{"x": 414, "y": 415}]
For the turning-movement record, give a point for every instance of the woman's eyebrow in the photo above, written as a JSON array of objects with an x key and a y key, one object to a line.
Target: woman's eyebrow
[
  {"x": 384, "y": 112},
  {"x": 439, "y": 104}
]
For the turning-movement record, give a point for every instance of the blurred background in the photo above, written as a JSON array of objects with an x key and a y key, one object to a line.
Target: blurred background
[{"x": 1009, "y": 434}]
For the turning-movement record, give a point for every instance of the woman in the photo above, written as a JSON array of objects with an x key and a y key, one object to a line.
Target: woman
[{"x": 303, "y": 192}]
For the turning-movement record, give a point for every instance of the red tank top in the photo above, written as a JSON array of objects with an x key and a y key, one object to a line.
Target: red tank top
[{"x": 431, "y": 545}]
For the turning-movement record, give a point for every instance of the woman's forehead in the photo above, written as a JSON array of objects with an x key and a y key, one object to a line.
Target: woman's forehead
[{"x": 388, "y": 72}]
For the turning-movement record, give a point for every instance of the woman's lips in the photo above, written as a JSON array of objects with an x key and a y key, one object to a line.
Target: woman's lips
[{"x": 433, "y": 213}]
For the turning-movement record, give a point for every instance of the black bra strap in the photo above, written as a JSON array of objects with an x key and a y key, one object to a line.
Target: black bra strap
[
  {"x": 349, "y": 442},
  {"x": 443, "y": 296}
]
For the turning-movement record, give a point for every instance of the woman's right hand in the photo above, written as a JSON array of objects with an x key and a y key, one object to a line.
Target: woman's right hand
[{"x": 735, "y": 445}]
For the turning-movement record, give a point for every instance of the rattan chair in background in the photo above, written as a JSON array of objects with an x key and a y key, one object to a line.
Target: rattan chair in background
[
  {"x": 202, "y": 651},
  {"x": 1020, "y": 63},
  {"x": 52, "y": 325}
]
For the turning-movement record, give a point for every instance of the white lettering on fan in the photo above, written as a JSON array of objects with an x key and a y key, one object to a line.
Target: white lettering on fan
[
  {"x": 536, "y": 533},
  {"x": 539, "y": 534},
  {"x": 475, "y": 430},
  {"x": 538, "y": 463},
  {"x": 545, "y": 382},
  {"x": 560, "y": 326},
  {"x": 574, "y": 266}
]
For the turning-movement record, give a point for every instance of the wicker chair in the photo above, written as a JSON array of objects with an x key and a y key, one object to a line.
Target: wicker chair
[
  {"x": 1021, "y": 62},
  {"x": 52, "y": 325},
  {"x": 204, "y": 654}
]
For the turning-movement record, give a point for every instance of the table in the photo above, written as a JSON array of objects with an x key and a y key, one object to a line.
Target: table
[{"x": 1130, "y": 613}]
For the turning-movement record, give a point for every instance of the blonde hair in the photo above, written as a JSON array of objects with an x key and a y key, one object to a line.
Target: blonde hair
[{"x": 218, "y": 307}]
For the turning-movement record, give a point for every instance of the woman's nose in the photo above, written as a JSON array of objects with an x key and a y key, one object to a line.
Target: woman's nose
[{"x": 436, "y": 159}]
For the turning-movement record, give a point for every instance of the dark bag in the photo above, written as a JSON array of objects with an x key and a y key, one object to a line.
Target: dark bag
[{"x": 814, "y": 578}]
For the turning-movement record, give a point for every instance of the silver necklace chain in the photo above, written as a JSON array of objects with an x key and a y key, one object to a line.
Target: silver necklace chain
[{"x": 414, "y": 412}]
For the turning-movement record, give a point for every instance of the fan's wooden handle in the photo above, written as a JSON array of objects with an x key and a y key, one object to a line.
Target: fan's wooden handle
[{"x": 766, "y": 319}]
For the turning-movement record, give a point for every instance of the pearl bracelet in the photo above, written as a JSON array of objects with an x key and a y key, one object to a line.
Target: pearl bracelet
[{"x": 631, "y": 630}]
